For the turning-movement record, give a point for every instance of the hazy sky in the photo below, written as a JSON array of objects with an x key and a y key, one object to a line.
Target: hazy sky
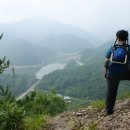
[{"x": 92, "y": 15}]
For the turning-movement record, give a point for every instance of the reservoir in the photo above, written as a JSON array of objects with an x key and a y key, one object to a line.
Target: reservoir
[{"x": 48, "y": 69}]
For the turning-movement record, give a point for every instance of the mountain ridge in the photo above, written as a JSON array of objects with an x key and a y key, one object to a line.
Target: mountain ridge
[
  {"x": 22, "y": 52},
  {"x": 35, "y": 28}
]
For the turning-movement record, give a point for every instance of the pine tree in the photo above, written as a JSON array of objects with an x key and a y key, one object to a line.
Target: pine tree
[{"x": 3, "y": 62}]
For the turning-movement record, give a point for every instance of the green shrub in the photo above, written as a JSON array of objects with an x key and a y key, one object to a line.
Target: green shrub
[
  {"x": 55, "y": 104},
  {"x": 43, "y": 103},
  {"x": 36, "y": 122},
  {"x": 6, "y": 95},
  {"x": 33, "y": 107},
  {"x": 11, "y": 116}
]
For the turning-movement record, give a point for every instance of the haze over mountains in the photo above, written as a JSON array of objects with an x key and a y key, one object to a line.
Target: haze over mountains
[
  {"x": 35, "y": 29},
  {"x": 22, "y": 52},
  {"x": 31, "y": 40}
]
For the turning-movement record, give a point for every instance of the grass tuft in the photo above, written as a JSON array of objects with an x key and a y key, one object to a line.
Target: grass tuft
[{"x": 98, "y": 104}]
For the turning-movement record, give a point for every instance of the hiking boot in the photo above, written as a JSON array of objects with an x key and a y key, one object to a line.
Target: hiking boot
[{"x": 108, "y": 112}]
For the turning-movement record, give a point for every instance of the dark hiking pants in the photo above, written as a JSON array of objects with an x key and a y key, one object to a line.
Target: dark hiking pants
[{"x": 112, "y": 87}]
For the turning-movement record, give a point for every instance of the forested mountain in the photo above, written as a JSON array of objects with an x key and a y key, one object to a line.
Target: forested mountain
[
  {"x": 82, "y": 81},
  {"x": 22, "y": 52},
  {"x": 19, "y": 83}
]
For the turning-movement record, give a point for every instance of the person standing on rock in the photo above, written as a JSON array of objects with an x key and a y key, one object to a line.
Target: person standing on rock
[{"x": 117, "y": 67}]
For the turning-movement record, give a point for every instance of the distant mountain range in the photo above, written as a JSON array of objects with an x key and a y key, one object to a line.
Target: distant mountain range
[
  {"x": 35, "y": 29},
  {"x": 29, "y": 41},
  {"x": 66, "y": 43},
  {"x": 22, "y": 52}
]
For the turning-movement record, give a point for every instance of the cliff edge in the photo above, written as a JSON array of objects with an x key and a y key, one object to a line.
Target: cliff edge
[{"x": 91, "y": 118}]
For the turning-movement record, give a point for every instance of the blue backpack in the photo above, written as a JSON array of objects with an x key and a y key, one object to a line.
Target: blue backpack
[{"x": 119, "y": 54}]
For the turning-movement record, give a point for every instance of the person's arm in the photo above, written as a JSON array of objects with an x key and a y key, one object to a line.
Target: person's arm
[
  {"x": 107, "y": 60},
  {"x": 108, "y": 55}
]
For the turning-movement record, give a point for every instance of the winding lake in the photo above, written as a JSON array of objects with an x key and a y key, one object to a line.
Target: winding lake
[{"x": 48, "y": 69}]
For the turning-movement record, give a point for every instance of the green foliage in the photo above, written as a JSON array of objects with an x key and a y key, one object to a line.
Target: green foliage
[
  {"x": 3, "y": 64},
  {"x": 11, "y": 116},
  {"x": 80, "y": 82},
  {"x": 71, "y": 64},
  {"x": 5, "y": 95},
  {"x": 22, "y": 82},
  {"x": 55, "y": 104},
  {"x": 43, "y": 103},
  {"x": 98, "y": 104},
  {"x": 12, "y": 112},
  {"x": 36, "y": 122},
  {"x": 20, "y": 114}
]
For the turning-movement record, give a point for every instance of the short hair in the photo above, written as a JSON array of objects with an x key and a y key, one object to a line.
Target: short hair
[{"x": 122, "y": 35}]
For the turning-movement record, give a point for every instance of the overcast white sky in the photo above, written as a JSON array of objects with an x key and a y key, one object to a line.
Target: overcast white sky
[{"x": 88, "y": 14}]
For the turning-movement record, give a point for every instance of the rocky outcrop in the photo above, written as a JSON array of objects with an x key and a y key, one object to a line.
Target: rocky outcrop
[{"x": 91, "y": 118}]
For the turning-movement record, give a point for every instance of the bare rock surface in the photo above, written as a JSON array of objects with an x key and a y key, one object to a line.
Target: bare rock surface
[{"x": 91, "y": 118}]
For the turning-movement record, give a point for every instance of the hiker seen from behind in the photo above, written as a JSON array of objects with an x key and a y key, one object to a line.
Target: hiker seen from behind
[{"x": 117, "y": 67}]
